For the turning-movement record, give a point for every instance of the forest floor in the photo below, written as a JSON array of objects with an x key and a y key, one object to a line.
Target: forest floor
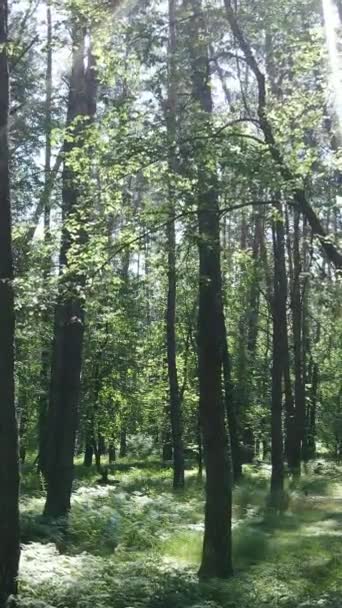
[{"x": 138, "y": 544}]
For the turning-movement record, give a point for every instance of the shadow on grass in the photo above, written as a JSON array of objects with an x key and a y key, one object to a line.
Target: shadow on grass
[{"x": 293, "y": 554}]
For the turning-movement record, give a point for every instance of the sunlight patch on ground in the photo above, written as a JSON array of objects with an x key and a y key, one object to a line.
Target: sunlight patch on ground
[{"x": 330, "y": 527}]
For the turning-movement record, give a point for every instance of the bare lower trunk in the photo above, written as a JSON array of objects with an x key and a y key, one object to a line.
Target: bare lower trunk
[
  {"x": 297, "y": 319},
  {"x": 175, "y": 396},
  {"x": 123, "y": 442},
  {"x": 46, "y": 341},
  {"x": 279, "y": 345},
  {"x": 231, "y": 411}
]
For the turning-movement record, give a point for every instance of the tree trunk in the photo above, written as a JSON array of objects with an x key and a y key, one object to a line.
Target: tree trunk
[
  {"x": 167, "y": 447},
  {"x": 23, "y": 420},
  {"x": 123, "y": 441},
  {"x": 111, "y": 453},
  {"x": 290, "y": 429},
  {"x": 69, "y": 314},
  {"x": 297, "y": 318},
  {"x": 200, "y": 447},
  {"x": 9, "y": 466},
  {"x": 216, "y": 557},
  {"x": 175, "y": 397},
  {"x": 97, "y": 453},
  {"x": 88, "y": 451},
  {"x": 231, "y": 413},
  {"x": 46, "y": 344},
  {"x": 254, "y": 297},
  {"x": 278, "y": 311}
]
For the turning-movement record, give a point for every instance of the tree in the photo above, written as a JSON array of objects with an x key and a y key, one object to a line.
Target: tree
[
  {"x": 69, "y": 313},
  {"x": 46, "y": 347},
  {"x": 175, "y": 396},
  {"x": 279, "y": 354},
  {"x": 9, "y": 468},
  {"x": 216, "y": 557},
  {"x": 299, "y": 193}
]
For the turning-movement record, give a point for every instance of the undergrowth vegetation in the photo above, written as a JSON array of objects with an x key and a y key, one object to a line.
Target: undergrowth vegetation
[{"x": 137, "y": 544}]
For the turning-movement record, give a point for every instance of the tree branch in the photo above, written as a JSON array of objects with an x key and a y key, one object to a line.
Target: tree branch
[
  {"x": 299, "y": 195},
  {"x": 23, "y": 52}
]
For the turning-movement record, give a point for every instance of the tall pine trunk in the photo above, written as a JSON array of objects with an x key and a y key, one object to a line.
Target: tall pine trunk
[
  {"x": 297, "y": 325},
  {"x": 231, "y": 413},
  {"x": 216, "y": 556},
  {"x": 9, "y": 466},
  {"x": 175, "y": 397},
  {"x": 46, "y": 345},
  {"x": 279, "y": 329},
  {"x": 69, "y": 314}
]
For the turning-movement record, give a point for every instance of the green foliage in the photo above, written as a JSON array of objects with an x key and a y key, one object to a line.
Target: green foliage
[{"x": 139, "y": 545}]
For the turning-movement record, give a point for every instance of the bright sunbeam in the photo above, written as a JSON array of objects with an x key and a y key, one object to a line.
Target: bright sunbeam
[{"x": 332, "y": 23}]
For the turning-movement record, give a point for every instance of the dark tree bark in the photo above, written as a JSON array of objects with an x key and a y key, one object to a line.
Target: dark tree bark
[
  {"x": 290, "y": 420},
  {"x": 123, "y": 441},
  {"x": 9, "y": 466},
  {"x": 216, "y": 557},
  {"x": 88, "y": 453},
  {"x": 254, "y": 296},
  {"x": 297, "y": 326},
  {"x": 175, "y": 396},
  {"x": 111, "y": 453},
  {"x": 22, "y": 433},
  {"x": 312, "y": 410},
  {"x": 231, "y": 413},
  {"x": 278, "y": 311},
  {"x": 69, "y": 314},
  {"x": 200, "y": 448},
  {"x": 167, "y": 447}
]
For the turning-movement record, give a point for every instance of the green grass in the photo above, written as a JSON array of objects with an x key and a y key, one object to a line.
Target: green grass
[{"x": 138, "y": 545}]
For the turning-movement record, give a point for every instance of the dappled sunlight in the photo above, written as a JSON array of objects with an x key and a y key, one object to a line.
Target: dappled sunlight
[
  {"x": 135, "y": 542},
  {"x": 170, "y": 327}
]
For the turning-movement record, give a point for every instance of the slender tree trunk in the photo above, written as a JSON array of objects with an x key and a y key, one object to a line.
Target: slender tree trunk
[
  {"x": 97, "y": 453},
  {"x": 254, "y": 299},
  {"x": 9, "y": 466},
  {"x": 290, "y": 421},
  {"x": 88, "y": 453},
  {"x": 111, "y": 453},
  {"x": 216, "y": 557},
  {"x": 231, "y": 413},
  {"x": 46, "y": 343},
  {"x": 280, "y": 268},
  {"x": 278, "y": 309},
  {"x": 167, "y": 446},
  {"x": 297, "y": 318},
  {"x": 313, "y": 408},
  {"x": 69, "y": 314},
  {"x": 175, "y": 397},
  {"x": 22, "y": 416},
  {"x": 123, "y": 441}
]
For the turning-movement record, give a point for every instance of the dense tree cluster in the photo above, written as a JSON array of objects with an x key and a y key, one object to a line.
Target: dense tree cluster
[{"x": 173, "y": 175}]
